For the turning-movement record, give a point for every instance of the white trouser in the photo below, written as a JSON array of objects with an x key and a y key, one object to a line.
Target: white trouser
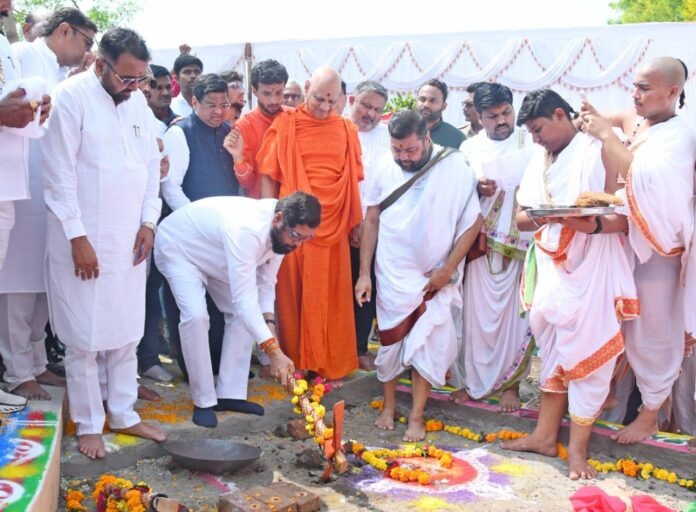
[
  {"x": 188, "y": 285},
  {"x": 655, "y": 340},
  {"x": 23, "y": 318},
  {"x": 7, "y": 220},
  {"x": 82, "y": 370}
]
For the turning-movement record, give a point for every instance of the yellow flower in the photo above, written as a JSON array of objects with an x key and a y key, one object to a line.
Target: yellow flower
[
  {"x": 689, "y": 484},
  {"x": 661, "y": 474},
  {"x": 402, "y": 419},
  {"x": 671, "y": 478},
  {"x": 295, "y": 399}
]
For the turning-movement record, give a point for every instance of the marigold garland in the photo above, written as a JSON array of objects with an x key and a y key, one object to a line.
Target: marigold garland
[
  {"x": 73, "y": 501},
  {"x": 113, "y": 494},
  {"x": 626, "y": 466}
]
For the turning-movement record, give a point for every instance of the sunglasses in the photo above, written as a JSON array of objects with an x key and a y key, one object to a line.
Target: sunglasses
[{"x": 127, "y": 80}]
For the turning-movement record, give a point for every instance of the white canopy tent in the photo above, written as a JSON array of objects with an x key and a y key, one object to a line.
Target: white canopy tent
[{"x": 598, "y": 63}]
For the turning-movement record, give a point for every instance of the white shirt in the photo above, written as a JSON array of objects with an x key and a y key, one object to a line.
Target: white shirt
[
  {"x": 14, "y": 171},
  {"x": 228, "y": 239},
  {"x": 375, "y": 144},
  {"x": 23, "y": 268},
  {"x": 101, "y": 179},
  {"x": 180, "y": 107},
  {"x": 176, "y": 148}
]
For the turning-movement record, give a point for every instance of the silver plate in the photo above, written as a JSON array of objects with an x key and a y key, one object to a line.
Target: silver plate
[{"x": 571, "y": 211}]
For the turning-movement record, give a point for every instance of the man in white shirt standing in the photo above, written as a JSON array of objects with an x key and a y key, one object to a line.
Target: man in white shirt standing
[
  {"x": 186, "y": 68},
  {"x": 232, "y": 248},
  {"x": 69, "y": 35},
  {"x": 16, "y": 112},
  {"x": 366, "y": 107},
  {"x": 101, "y": 177}
]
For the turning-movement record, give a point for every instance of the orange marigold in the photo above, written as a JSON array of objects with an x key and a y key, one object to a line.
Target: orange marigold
[{"x": 629, "y": 468}]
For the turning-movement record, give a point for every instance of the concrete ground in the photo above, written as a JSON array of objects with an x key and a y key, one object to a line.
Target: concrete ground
[{"x": 487, "y": 477}]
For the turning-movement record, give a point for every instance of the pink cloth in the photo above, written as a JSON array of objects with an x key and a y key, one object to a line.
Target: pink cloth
[{"x": 593, "y": 499}]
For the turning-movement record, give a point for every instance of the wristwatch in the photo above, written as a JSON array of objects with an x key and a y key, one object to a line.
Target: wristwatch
[{"x": 150, "y": 225}]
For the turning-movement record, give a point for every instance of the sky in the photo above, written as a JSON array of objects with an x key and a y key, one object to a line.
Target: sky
[{"x": 168, "y": 23}]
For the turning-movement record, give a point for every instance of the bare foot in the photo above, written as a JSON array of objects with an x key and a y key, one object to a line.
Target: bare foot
[
  {"x": 509, "y": 401},
  {"x": 415, "y": 431},
  {"x": 148, "y": 394},
  {"x": 460, "y": 397},
  {"x": 265, "y": 372},
  {"x": 335, "y": 384},
  {"x": 691, "y": 445},
  {"x": 385, "y": 420},
  {"x": 50, "y": 379},
  {"x": 91, "y": 445},
  {"x": 532, "y": 443},
  {"x": 144, "y": 430},
  {"x": 366, "y": 361},
  {"x": 579, "y": 467},
  {"x": 31, "y": 391},
  {"x": 644, "y": 426}
]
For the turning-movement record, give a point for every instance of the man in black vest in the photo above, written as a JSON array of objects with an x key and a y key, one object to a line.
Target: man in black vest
[{"x": 200, "y": 167}]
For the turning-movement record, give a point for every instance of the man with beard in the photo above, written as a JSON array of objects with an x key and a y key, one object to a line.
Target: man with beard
[
  {"x": 657, "y": 166},
  {"x": 101, "y": 177},
  {"x": 431, "y": 102},
  {"x": 311, "y": 148},
  {"x": 160, "y": 100},
  {"x": 473, "y": 122},
  {"x": 496, "y": 341},
  {"x": 424, "y": 233},
  {"x": 268, "y": 79},
  {"x": 366, "y": 107},
  {"x": 231, "y": 247},
  {"x": 292, "y": 94},
  {"x": 186, "y": 69}
]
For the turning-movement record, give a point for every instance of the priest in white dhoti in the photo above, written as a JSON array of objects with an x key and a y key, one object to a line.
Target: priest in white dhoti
[
  {"x": 232, "y": 248},
  {"x": 366, "y": 107},
  {"x": 69, "y": 34},
  {"x": 17, "y": 113},
  {"x": 424, "y": 232},
  {"x": 496, "y": 341},
  {"x": 101, "y": 179},
  {"x": 577, "y": 281},
  {"x": 657, "y": 167}
]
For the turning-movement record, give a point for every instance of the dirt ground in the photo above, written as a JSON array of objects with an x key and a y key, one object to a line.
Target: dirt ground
[{"x": 496, "y": 479}]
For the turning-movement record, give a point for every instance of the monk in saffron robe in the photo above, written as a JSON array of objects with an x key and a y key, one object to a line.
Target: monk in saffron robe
[
  {"x": 314, "y": 150},
  {"x": 268, "y": 80}
]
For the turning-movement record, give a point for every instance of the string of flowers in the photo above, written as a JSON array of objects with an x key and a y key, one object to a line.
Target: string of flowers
[
  {"x": 626, "y": 466},
  {"x": 384, "y": 459},
  {"x": 73, "y": 501},
  {"x": 112, "y": 494}
]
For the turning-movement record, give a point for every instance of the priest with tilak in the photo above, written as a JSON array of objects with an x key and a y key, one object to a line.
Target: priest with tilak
[{"x": 314, "y": 150}]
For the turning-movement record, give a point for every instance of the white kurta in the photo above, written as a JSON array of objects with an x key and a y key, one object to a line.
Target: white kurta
[
  {"x": 101, "y": 174},
  {"x": 496, "y": 341},
  {"x": 584, "y": 284},
  {"x": 659, "y": 192},
  {"x": 375, "y": 145},
  {"x": 180, "y": 107},
  {"x": 416, "y": 234},
  {"x": 222, "y": 245}
]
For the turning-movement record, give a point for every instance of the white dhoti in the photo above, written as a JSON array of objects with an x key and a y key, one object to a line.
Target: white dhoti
[
  {"x": 416, "y": 235},
  {"x": 655, "y": 341},
  {"x": 584, "y": 285},
  {"x": 85, "y": 394},
  {"x": 428, "y": 347},
  {"x": 7, "y": 220},
  {"x": 23, "y": 318},
  {"x": 189, "y": 284},
  {"x": 497, "y": 339}
]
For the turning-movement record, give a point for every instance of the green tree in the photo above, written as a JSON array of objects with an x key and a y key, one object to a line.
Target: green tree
[
  {"x": 105, "y": 13},
  {"x": 641, "y": 11}
]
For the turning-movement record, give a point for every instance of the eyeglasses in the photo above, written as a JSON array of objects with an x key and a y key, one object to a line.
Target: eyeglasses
[
  {"x": 297, "y": 237},
  {"x": 213, "y": 106},
  {"x": 128, "y": 80},
  {"x": 89, "y": 42}
]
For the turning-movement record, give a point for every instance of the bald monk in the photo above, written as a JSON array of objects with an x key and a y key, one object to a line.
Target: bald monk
[
  {"x": 656, "y": 164},
  {"x": 268, "y": 80},
  {"x": 314, "y": 150}
]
